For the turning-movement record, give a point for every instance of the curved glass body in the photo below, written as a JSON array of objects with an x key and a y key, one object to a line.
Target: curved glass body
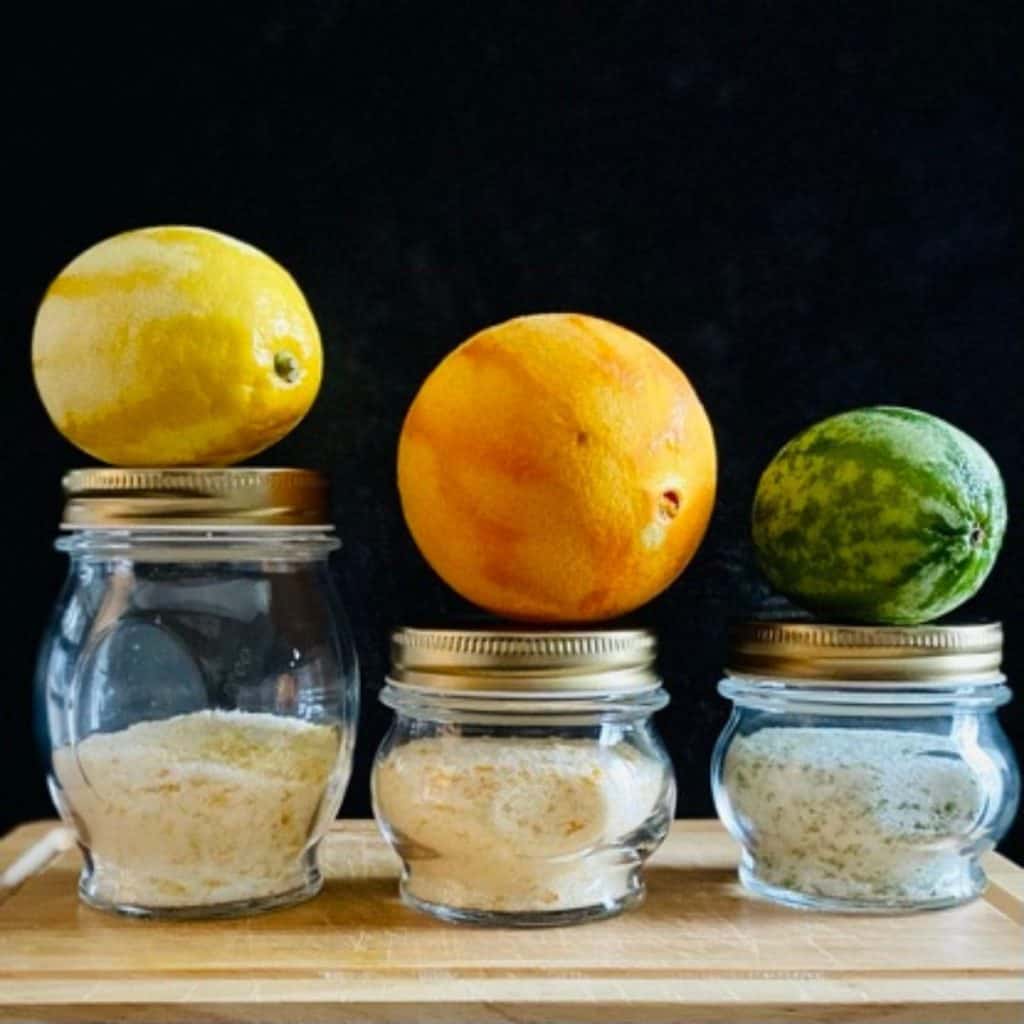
[
  {"x": 200, "y": 691},
  {"x": 864, "y": 798},
  {"x": 527, "y": 811}
]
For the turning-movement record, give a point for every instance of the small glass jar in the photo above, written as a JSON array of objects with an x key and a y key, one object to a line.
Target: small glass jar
[
  {"x": 863, "y": 767},
  {"x": 522, "y": 782},
  {"x": 200, "y": 688}
]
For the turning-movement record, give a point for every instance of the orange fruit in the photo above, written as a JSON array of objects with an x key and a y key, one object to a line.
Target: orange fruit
[
  {"x": 557, "y": 468},
  {"x": 175, "y": 346}
]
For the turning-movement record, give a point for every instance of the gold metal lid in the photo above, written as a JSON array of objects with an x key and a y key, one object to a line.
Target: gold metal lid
[
  {"x": 524, "y": 661},
  {"x": 157, "y": 498},
  {"x": 808, "y": 651}
]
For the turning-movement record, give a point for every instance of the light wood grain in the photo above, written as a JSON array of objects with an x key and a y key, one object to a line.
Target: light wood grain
[{"x": 700, "y": 949}]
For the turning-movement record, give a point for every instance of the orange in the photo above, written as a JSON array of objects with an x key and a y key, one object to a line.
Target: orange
[
  {"x": 175, "y": 346},
  {"x": 557, "y": 468}
]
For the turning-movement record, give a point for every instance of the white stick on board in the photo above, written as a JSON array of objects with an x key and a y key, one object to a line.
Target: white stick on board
[{"x": 36, "y": 857}]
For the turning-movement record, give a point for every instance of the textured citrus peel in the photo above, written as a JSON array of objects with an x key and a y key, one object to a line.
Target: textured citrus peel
[
  {"x": 175, "y": 346},
  {"x": 557, "y": 467}
]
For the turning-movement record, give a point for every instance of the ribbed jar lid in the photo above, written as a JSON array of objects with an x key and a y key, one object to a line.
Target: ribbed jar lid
[
  {"x": 810, "y": 652},
  {"x": 156, "y": 498},
  {"x": 524, "y": 661}
]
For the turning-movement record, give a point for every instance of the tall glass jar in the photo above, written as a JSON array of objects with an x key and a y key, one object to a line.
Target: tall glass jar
[
  {"x": 200, "y": 688},
  {"x": 863, "y": 767},
  {"x": 522, "y": 782}
]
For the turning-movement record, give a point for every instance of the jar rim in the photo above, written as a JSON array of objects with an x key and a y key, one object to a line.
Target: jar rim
[
  {"x": 403, "y": 697},
  {"x": 750, "y": 690},
  {"x": 199, "y": 543}
]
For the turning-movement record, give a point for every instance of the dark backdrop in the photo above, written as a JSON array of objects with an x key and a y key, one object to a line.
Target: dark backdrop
[{"x": 808, "y": 212}]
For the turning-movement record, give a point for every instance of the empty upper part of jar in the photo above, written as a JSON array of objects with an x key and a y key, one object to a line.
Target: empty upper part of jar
[
  {"x": 199, "y": 685},
  {"x": 864, "y": 768},
  {"x": 522, "y": 781}
]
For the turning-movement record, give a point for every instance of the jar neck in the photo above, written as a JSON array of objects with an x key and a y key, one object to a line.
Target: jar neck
[
  {"x": 201, "y": 543},
  {"x": 543, "y": 707},
  {"x": 879, "y": 698}
]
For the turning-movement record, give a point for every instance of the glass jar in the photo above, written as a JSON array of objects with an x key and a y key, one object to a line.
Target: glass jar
[
  {"x": 522, "y": 782},
  {"x": 200, "y": 688},
  {"x": 863, "y": 767}
]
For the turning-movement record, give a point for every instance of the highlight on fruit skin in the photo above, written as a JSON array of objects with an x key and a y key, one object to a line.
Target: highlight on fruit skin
[
  {"x": 557, "y": 467},
  {"x": 175, "y": 346},
  {"x": 880, "y": 515}
]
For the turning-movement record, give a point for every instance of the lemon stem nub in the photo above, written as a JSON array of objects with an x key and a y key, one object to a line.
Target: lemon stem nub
[{"x": 286, "y": 366}]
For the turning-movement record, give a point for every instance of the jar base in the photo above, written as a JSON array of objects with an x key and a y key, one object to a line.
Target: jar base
[
  {"x": 527, "y": 918},
  {"x": 204, "y": 911},
  {"x": 830, "y": 904}
]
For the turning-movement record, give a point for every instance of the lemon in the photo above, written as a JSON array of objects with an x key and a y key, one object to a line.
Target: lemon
[{"x": 175, "y": 346}]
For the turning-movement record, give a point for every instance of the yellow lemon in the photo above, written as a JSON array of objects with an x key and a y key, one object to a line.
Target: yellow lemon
[{"x": 175, "y": 346}]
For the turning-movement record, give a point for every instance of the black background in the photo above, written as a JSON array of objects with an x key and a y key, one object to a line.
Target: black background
[{"x": 808, "y": 208}]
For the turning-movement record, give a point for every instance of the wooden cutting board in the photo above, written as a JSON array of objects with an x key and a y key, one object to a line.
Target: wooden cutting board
[{"x": 700, "y": 949}]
